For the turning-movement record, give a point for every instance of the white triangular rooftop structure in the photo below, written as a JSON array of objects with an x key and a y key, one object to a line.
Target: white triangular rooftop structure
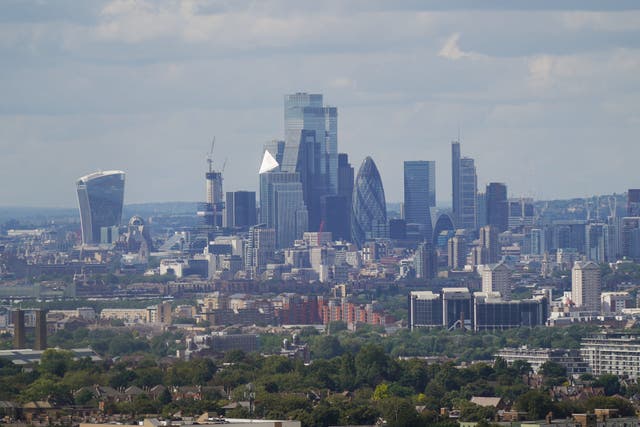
[{"x": 268, "y": 163}]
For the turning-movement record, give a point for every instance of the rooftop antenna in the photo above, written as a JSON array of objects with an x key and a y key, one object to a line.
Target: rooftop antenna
[
  {"x": 458, "y": 132},
  {"x": 210, "y": 155}
]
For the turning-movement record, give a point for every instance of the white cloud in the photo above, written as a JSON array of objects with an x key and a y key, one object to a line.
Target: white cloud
[
  {"x": 540, "y": 71},
  {"x": 451, "y": 50},
  {"x": 342, "y": 83}
]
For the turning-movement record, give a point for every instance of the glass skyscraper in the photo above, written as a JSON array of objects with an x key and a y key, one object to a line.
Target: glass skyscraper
[
  {"x": 311, "y": 148},
  {"x": 282, "y": 205},
  {"x": 465, "y": 189},
  {"x": 419, "y": 193},
  {"x": 100, "y": 198},
  {"x": 369, "y": 210},
  {"x": 497, "y": 205}
]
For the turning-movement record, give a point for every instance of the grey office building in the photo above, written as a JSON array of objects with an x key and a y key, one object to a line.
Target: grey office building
[{"x": 464, "y": 182}]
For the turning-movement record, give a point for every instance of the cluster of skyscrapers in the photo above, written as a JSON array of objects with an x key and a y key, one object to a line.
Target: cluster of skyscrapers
[{"x": 306, "y": 185}]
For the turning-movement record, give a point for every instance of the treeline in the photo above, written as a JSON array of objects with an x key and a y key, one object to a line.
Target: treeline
[
  {"x": 461, "y": 345},
  {"x": 348, "y": 389}
]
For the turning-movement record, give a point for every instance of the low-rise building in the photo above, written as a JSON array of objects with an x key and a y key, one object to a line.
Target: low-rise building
[
  {"x": 536, "y": 357},
  {"x": 616, "y": 353}
]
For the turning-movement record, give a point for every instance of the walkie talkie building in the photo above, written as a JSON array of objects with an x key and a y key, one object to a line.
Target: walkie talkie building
[{"x": 100, "y": 198}]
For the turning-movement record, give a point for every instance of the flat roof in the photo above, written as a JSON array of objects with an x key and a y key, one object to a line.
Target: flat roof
[
  {"x": 99, "y": 174},
  {"x": 29, "y": 356}
]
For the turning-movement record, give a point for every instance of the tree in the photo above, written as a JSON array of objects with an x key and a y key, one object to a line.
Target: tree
[
  {"x": 347, "y": 377},
  {"x": 381, "y": 392},
  {"x": 399, "y": 412},
  {"x": 610, "y": 383},
  {"x": 554, "y": 373},
  {"x": 536, "y": 403},
  {"x": 165, "y": 397},
  {"x": 326, "y": 347},
  {"x": 55, "y": 362},
  {"x": 371, "y": 365},
  {"x": 83, "y": 397},
  {"x": 522, "y": 367}
]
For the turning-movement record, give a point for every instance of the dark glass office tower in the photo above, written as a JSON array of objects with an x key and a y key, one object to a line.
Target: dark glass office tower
[
  {"x": 633, "y": 202},
  {"x": 241, "y": 209},
  {"x": 100, "y": 198},
  {"x": 419, "y": 194},
  {"x": 369, "y": 210},
  {"x": 497, "y": 206}
]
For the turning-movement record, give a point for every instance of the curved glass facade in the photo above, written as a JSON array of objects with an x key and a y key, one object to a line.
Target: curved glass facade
[
  {"x": 100, "y": 197},
  {"x": 444, "y": 222},
  {"x": 369, "y": 208}
]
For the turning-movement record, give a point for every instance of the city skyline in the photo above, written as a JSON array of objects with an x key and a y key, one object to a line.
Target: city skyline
[{"x": 534, "y": 89}]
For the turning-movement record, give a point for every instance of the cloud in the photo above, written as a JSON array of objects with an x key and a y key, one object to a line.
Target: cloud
[
  {"x": 143, "y": 85},
  {"x": 540, "y": 71},
  {"x": 451, "y": 50},
  {"x": 342, "y": 83}
]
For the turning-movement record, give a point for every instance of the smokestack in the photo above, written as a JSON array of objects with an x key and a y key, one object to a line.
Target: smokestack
[
  {"x": 19, "y": 340},
  {"x": 41, "y": 330}
]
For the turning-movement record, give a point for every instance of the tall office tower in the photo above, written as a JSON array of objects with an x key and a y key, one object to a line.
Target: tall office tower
[
  {"x": 19, "y": 336},
  {"x": 630, "y": 237},
  {"x": 259, "y": 250},
  {"x": 465, "y": 189},
  {"x": 595, "y": 244},
  {"x": 537, "y": 241},
  {"x": 419, "y": 194},
  {"x": 282, "y": 204},
  {"x": 489, "y": 245},
  {"x": 633, "y": 202},
  {"x": 41, "y": 330},
  {"x": 586, "y": 285},
  {"x": 241, "y": 209},
  {"x": 300, "y": 156},
  {"x": 469, "y": 191},
  {"x": 100, "y": 198},
  {"x": 335, "y": 217},
  {"x": 425, "y": 261},
  {"x": 345, "y": 190},
  {"x": 290, "y": 213},
  {"x": 482, "y": 209},
  {"x": 569, "y": 234},
  {"x": 214, "y": 206},
  {"x": 497, "y": 278},
  {"x": 455, "y": 183},
  {"x": 497, "y": 206},
  {"x": 457, "y": 252},
  {"x": 369, "y": 209},
  {"x": 314, "y": 128},
  {"x": 611, "y": 234}
]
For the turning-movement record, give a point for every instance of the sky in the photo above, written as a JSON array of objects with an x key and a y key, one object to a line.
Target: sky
[{"x": 545, "y": 95}]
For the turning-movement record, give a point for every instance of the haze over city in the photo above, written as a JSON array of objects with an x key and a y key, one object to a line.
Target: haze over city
[{"x": 544, "y": 95}]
